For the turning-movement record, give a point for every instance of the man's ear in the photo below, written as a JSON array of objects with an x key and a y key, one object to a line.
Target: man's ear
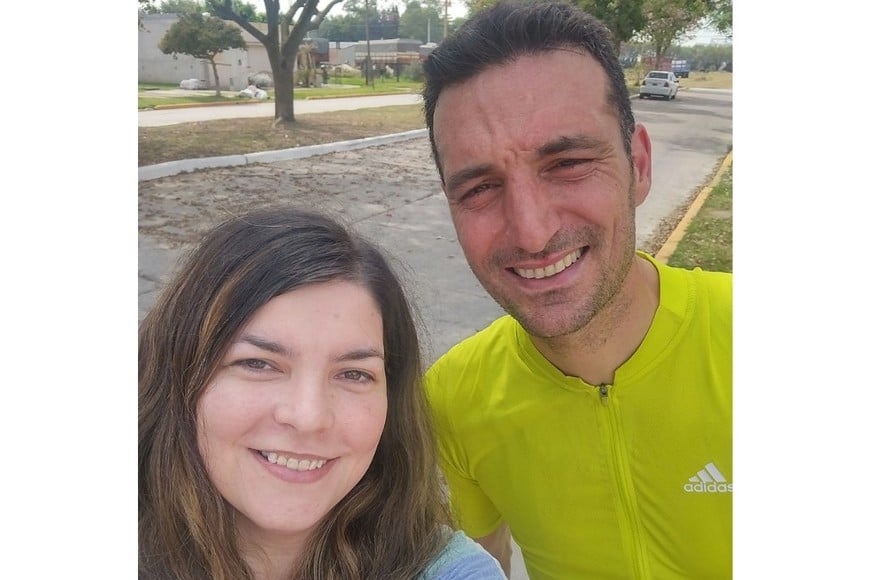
[{"x": 641, "y": 155}]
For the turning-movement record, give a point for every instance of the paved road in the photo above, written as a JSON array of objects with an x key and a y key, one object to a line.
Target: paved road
[{"x": 391, "y": 193}]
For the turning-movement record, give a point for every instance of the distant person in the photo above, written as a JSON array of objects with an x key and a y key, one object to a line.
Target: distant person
[
  {"x": 593, "y": 422},
  {"x": 283, "y": 430}
]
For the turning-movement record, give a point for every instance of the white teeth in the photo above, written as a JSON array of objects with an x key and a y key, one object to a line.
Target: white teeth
[
  {"x": 292, "y": 463},
  {"x": 551, "y": 270}
]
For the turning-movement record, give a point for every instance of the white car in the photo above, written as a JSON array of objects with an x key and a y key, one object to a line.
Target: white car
[{"x": 659, "y": 83}]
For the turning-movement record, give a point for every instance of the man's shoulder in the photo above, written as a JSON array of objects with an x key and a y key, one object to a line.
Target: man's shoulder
[
  {"x": 717, "y": 286},
  {"x": 500, "y": 329},
  {"x": 480, "y": 346}
]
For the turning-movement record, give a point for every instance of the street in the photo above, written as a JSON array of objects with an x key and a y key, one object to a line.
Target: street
[{"x": 392, "y": 193}]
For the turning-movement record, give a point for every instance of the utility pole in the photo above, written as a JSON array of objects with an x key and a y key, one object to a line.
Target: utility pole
[
  {"x": 369, "y": 75},
  {"x": 446, "y": 17}
]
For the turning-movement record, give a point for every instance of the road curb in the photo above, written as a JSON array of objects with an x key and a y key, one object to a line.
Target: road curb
[
  {"x": 169, "y": 168},
  {"x": 670, "y": 245},
  {"x": 197, "y": 105}
]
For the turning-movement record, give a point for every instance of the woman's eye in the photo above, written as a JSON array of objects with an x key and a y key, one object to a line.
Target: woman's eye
[
  {"x": 357, "y": 376},
  {"x": 254, "y": 364}
]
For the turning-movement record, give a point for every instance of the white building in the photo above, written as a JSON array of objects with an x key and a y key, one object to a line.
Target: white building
[{"x": 234, "y": 66}]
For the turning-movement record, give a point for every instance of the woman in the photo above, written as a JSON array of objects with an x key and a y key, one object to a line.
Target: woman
[{"x": 283, "y": 432}]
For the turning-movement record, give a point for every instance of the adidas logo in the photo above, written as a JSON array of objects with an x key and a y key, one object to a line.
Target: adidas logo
[{"x": 709, "y": 480}]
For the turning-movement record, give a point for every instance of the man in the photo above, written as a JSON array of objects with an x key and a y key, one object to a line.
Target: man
[{"x": 593, "y": 423}]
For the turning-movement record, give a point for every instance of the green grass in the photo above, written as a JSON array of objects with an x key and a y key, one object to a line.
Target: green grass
[
  {"x": 707, "y": 243},
  {"x": 149, "y": 97}
]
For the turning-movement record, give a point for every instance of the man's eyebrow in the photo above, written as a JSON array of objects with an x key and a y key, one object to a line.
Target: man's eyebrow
[
  {"x": 567, "y": 143},
  {"x": 558, "y": 145},
  {"x": 463, "y": 175}
]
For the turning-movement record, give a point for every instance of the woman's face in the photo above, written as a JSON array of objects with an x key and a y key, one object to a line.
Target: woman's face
[{"x": 293, "y": 416}]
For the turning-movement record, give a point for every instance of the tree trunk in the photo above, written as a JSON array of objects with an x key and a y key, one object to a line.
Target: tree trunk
[
  {"x": 217, "y": 81},
  {"x": 284, "y": 94},
  {"x": 283, "y": 73}
]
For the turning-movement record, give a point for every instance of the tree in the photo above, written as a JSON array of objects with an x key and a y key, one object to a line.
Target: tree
[
  {"x": 624, "y": 18},
  {"x": 179, "y": 7},
  {"x": 722, "y": 16},
  {"x": 201, "y": 37},
  {"x": 284, "y": 33},
  {"x": 422, "y": 21},
  {"x": 668, "y": 20}
]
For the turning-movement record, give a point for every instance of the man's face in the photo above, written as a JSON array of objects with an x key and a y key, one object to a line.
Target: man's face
[{"x": 540, "y": 188}]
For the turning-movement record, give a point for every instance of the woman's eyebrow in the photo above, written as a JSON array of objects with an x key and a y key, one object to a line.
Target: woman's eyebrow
[
  {"x": 265, "y": 344},
  {"x": 360, "y": 354}
]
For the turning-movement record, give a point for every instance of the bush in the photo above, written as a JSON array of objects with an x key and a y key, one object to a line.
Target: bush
[
  {"x": 261, "y": 80},
  {"x": 413, "y": 71}
]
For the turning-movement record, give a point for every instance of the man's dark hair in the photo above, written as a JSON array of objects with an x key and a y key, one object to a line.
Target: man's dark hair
[{"x": 509, "y": 30}]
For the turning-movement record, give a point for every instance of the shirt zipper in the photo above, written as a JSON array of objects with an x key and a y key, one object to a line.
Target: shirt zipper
[
  {"x": 640, "y": 563},
  {"x": 604, "y": 393}
]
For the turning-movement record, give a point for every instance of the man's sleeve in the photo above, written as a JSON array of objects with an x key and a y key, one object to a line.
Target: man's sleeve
[{"x": 472, "y": 510}]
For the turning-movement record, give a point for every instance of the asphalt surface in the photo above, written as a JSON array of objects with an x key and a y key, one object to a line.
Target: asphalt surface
[{"x": 390, "y": 192}]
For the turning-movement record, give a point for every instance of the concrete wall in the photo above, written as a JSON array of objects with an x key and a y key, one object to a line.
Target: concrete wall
[
  {"x": 342, "y": 53},
  {"x": 234, "y": 66}
]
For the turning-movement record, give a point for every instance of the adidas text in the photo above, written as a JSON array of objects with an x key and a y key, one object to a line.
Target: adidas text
[{"x": 711, "y": 487}]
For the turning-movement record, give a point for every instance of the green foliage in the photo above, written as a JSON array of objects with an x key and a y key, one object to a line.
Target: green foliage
[
  {"x": 413, "y": 72},
  {"x": 668, "y": 20},
  {"x": 180, "y": 7},
  {"x": 624, "y": 18},
  {"x": 422, "y": 22},
  {"x": 351, "y": 26},
  {"x": 705, "y": 57},
  {"x": 200, "y": 36},
  {"x": 722, "y": 16},
  {"x": 475, "y": 6},
  {"x": 246, "y": 10}
]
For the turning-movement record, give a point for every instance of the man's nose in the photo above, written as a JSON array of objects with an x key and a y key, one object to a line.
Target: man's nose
[{"x": 530, "y": 215}]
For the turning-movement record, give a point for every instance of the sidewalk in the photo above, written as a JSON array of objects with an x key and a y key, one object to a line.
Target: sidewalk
[{"x": 165, "y": 116}]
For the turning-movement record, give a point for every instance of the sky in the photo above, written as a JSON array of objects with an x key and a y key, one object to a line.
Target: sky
[
  {"x": 69, "y": 289},
  {"x": 706, "y": 35}
]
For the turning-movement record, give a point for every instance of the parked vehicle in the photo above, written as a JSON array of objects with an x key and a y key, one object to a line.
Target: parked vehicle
[
  {"x": 680, "y": 68},
  {"x": 659, "y": 83}
]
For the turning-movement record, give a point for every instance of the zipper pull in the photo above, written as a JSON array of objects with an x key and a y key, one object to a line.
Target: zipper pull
[{"x": 603, "y": 392}]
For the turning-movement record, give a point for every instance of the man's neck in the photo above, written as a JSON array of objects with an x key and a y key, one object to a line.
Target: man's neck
[{"x": 594, "y": 352}]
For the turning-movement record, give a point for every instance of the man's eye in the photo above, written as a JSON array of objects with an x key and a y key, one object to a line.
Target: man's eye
[
  {"x": 571, "y": 162},
  {"x": 476, "y": 191}
]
